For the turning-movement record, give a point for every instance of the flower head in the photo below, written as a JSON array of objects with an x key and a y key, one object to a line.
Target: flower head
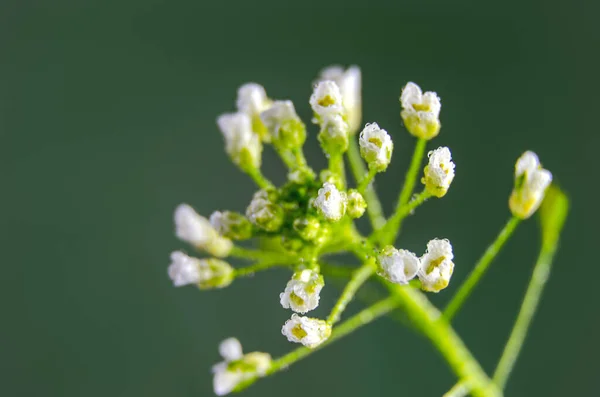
[
  {"x": 349, "y": 82},
  {"x": 439, "y": 173},
  {"x": 264, "y": 212},
  {"x": 436, "y": 266},
  {"x": 237, "y": 367},
  {"x": 252, "y": 99},
  {"x": 326, "y": 99},
  {"x": 531, "y": 182},
  {"x": 232, "y": 225},
  {"x": 284, "y": 125},
  {"x": 398, "y": 266},
  {"x": 420, "y": 111},
  {"x": 197, "y": 230},
  {"x": 356, "y": 204},
  {"x": 376, "y": 147},
  {"x": 334, "y": 134},
  {"x": 205, "y": 273},
  {"x": 302, "y": 291},
  {"x": 311, "y": 332},
  {"x": 241, "y": 144},
  {"x": 330, "y": 202}
]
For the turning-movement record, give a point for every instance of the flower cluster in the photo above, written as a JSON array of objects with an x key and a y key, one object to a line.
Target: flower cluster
[{"x": 312, "y": 214}]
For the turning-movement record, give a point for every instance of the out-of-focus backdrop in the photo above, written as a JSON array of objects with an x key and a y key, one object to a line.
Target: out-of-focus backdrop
[{"x": 107, "y": 122}]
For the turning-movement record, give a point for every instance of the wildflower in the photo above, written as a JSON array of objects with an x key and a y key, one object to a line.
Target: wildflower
[
  {"x": 284, "y": 125},
  {"x": 232, "y": 225},
  {"x": 349, "y": 82},
  {"x": 205, "y": 273},
  {"x": 356, "y": 204},
  {"x": 439, "y": 173},
  {"x": 241, "y": 144},
  {"x": 237, "y": 367},
  {"x": 264, "y": 212},
  {"x": 436, "y": 265},
  {"x": 330, "y": 202},
  {"x": 198, "y": 231},
  {"x": 398, "y": 266},
  {"x": 334, "y": 134},
  {"x": 420, "y": 111},
  {"x": 326, "y": 99},
  {"x": 376, "y": 147},
  {"x": 302, "y": 291},
  {"x": 252, "y": 100},
  {"x": 531, "y": 182},
  {"x": 311, "y": 332}
]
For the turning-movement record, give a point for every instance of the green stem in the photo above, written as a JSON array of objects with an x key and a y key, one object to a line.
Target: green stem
[
  {"x": 258, "y": 177},
  {"x": 359, "y": 277},
  {"x": 459, "y": 390},
  {"x": 393, "y": 226},
  {"x": 362, "y": 318},
  {"x": 251, "y": 254},
  {"x": 428, "y": 319},
  {"x": 336, "y": 166},
  {"x": 366, "y": 181},
  {"x": 403, "y": 213},
  {"x": 359, "y": 170},
  {"x": 257, "y": 267},
  {"x": 540, "y": 275},
  {"x": 480, "y": 268}
]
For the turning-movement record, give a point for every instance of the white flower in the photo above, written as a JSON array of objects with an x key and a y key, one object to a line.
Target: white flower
[
  {"x": 439, "y": 173},
  {"x": 330, "y": 202},
  {"x": 197, "y": 230},
  {"x": 231, "y": 225},
  {"x": 356, "y": 204},
  {"x": 284, "y": 125},
  {"x": 398, "y": 266},
  {"x": 436, "y": 265},
  {"x": 326, "y": 99},
  {"x": 252, "y": 99},
  {"x": 420, "y": 111},
  {"x": 205, "y": 273},
  {"x": 237, "y": 367},
  {"x": 241, "y": 144},
  {"x": 531, "y": 182},
  {"x": 376, "y": 147},
  {"x": 311, "y": 332},
  {"x": 302, "y": 291},
  {"x": 334, "y": 134},
  {"x": 349, "y": 82}
]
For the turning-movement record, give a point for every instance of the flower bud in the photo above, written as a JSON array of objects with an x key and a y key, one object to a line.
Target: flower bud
[
  {"x": 326, "y": 99},
  {"x": 398, "y": 266},
  {"x": 349, "y": 82},
  {"x": 232, "y": 225},
  {"x": 436, "y": 266},
  {"x": 376, "y": 147},
  {"x": 330, "y": 202},
  {"x": 205, "y": 273},
  {"x": 241, "y": 144},
  {"x": 356, "y": 204},
  {"x": 308, "y": 228},
  {"x": 264, "y": 213},
  {"x": 311, "y": 332},
  {"x": 197, "y": 230},
  {"x": 252, "y": 100},
  {"x": 334, "y": 134},
  {"x": 420, "y": 112},
  {"x": 284, "y": 125},
  {"x": 302, "y": 291},
  {"x": 439, "y": 173},
  {"x": 531, "y": 182}
]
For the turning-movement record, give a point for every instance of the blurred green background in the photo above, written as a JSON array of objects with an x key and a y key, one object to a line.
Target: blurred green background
[{"x": 107, "y": 122}]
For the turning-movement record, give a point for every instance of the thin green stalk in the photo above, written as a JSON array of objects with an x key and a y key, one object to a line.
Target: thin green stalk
[
  {"x": 393, "y": 226},
  {"x": 258, "y": 177},
  {"x": 359, "y": 277},
  {"x": 459, "y": 390},
  {"x": 362, "y": 318},
  {"x": 366, "y": 181},
  {"x": 403, "y": 213},
  {"x": 480, "y": 268},
  {"x": 428, "y": 319},
  {"x": 257, "y": 267},
  {"x": 252, "y": 254},
  {"x": 336, "y": 166},
  {"x": 359, "y": 170}
]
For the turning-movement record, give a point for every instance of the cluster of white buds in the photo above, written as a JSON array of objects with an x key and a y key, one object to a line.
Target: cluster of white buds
[
  {"x": 334, "y": 134},
  {"x": 349, "y": 82},
  {"x": 531, "y": 182},
  {"x": 326, "y": 99},
  {"x": 420, "y": 111},
  {"x": 376, "y": 147},
  {"x": 302, "y": 291},
  {"x": 205, "y": 273},
  {"x": 237, "y": 367},
  {"x": 285, "y": 127},
  {"x": 330, "y": 202},
  {"x": 434, "y": 268},
  {"x": 263, "y": 212},
  {"x": 439, "y": 173},
  {"x": 232, "y": 225},
  {"x": 197, "y": 230},
  {"x": 311, "y": 332},
  {"x": 241, "y": 143},
  {"x": 252, "y": 100}
]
